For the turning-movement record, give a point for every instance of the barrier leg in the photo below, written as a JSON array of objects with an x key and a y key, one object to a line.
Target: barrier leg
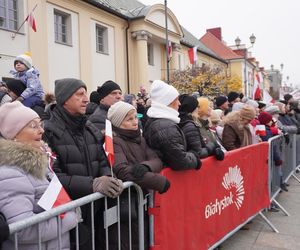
[
  {"x": 281, "y": 208},
  {"x": 296, "y": 177},
  {"x": 268, "y": 222}
]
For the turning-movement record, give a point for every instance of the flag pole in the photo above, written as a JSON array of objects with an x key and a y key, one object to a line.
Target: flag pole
[
  {"x": 13, "y": 35},
  {"x": 167, "y": 43}
]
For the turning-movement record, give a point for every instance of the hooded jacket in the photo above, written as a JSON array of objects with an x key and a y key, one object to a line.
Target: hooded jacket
[{"x": 22, "y": 183}]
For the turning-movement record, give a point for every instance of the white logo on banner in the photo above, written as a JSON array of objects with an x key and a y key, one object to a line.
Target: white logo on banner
[{"x": 233, "y": 182}]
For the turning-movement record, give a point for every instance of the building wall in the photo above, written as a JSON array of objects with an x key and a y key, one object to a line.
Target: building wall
[{"x": 155, "y": 70}]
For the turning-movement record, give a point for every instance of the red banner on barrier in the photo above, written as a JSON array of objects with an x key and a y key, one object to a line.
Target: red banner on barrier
[{"x": 202, "y": 207}]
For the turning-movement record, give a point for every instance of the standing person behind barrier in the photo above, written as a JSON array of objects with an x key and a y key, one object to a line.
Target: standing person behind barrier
[
  {"x": 202, "y": 122},
  {"x": 236, "y": 131},
  {"x": 162, "y": 131},
  {"x": 271, "y": 130},
  {"x": 23, "y": 178},
  {"x": 81, "y": 164},
  {"x": 110, "y": 93},
  {"x": 93, "y": 104},
  {"x": 134, "y": 161},
  {"x": 284, "y": 123}
]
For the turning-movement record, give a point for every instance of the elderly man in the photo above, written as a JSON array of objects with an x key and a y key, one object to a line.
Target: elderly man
[
  {"x": 109, "y": 93},
  {"x": 81, "y": 164},
  {"x": 162, "y": 131}
]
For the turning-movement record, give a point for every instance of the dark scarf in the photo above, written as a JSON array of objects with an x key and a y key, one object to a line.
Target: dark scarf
[
  {"x": 75, "y": 123},
  {"x": 128, "y": 135}
]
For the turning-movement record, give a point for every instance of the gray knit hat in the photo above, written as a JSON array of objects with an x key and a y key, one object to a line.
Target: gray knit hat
[
  {"x": 118, "y": 111},
  {"x": 65, "y": 88}
]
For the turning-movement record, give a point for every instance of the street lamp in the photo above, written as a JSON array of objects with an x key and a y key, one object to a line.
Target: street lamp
[
  {"x": 281, "y": 66},
  {"x": 272, "y": 67},
  {"x": 252, "y": 39}
]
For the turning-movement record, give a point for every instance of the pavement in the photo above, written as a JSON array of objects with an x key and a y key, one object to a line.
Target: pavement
[{"x": 261, "y": 237}]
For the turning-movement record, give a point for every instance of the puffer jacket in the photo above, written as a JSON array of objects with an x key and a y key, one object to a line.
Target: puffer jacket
[
  {"x": 99, "y": 116},
  {"x": 167, "y": 139},
  {"x": 22, "y": 183},
  {"x": 130, "y": 149}
]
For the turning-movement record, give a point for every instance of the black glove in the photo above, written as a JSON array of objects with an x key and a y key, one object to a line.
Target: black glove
[
  {"x": 219, "y": 154},
  {"x": 199, "y": 163},
  {"x": 287, "y": 138},
  {"x": 139, "y": 170},
  {"x": 166, "y": 187},
  {"x": 211, "y": 147}
]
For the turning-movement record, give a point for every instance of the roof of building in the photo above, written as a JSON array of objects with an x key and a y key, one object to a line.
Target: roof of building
[
  {"x": 219, "y": 47},
  {"x": 133, "y": 9}
]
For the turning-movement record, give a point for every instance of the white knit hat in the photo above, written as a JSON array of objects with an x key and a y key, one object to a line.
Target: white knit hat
[
  {"x": 25, "y": 59},
  {"x": 118, "y": 111},
  {"x": 163, "y": 93},
  {"x": 252, "y": 103},
  {"x": 14, "y": 117}
]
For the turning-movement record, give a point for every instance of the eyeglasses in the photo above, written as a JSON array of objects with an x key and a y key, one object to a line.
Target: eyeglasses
[{"x": 36, "y": 125}]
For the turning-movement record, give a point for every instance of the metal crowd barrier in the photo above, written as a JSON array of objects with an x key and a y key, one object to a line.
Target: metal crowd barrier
[{"x": 111, "y": 216}]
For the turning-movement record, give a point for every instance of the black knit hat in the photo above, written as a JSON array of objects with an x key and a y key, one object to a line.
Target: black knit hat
[
  {"x": 188, "y": 104},
  {"x": 220, "y": 100},
  {"x": 16, "y": 86},
  {"x": 65, "y": 88},
  {"x": 95, "y": 97},
  {"x": 232, "y": 96},
  {"x": 107, "y": 88},
  {"x": 287, "y": 97}
]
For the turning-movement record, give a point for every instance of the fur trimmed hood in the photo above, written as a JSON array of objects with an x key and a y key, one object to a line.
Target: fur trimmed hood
[{"x": 23, "y": 156}]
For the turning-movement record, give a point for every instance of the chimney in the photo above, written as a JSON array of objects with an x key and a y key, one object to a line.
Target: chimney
[{"x": 217, "y": 32}]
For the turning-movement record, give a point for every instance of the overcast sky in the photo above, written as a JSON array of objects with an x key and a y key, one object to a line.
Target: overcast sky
[{"x": 275, "y": 23}]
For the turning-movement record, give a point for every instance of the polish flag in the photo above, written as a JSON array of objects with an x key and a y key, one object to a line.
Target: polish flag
[
  {"x": 260, "y": 130},
  {"x": 170, "y": 51},
  {"x": 54, "y": 196},
  {"x": 256, "y": 88},
  {"x": 108, "y": 145},
  {"x": 31, "y": 21},
  {"x": 267, "y": 98},
  {"x": 193, "y": 55}
]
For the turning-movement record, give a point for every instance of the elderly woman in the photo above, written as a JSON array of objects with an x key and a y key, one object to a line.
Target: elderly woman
[
  {"x": 23, "y": 172},
  {"x": 237, "y": 131}
]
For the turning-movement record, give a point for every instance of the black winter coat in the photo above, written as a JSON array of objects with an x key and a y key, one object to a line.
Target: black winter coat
[
  {"x": 99, "y": 116},
  {"x": 168, "y": 140}
]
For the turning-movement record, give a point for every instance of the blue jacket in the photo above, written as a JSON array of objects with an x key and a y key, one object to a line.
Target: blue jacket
[{"x": 31, "y": 79}]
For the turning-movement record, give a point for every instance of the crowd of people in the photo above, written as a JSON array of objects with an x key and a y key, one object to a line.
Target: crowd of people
[{"x": 150, "y": 132}]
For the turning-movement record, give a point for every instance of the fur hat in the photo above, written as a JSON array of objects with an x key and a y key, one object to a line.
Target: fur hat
[
  {"x": 106, "y": 88},
  {"x": 163, "y": 93},
  {"x": 203, "y": 104},
  {"x": 220, "y": 100},
  {"x": 118, "y": 111},
  {"x": 232, "y": 96},
  {"x": 16, "y": 86},
  {"x": 25, "y": 59},
  {"x": 264, "y": 118},
  {"x": 65, "y": 88},
  {"x": 14, "y": 117},
  {"x": 272, "y": 110},
  {"x": 188, "y": 104},
  {"x": 247, "y": 112}
]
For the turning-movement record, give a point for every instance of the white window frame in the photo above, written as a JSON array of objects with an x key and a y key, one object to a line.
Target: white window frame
[
  {"x": 6, "y": 21},
  {"x": 62, "y": 27},
  {"x": 101, "y": 39},
  {"x": 150, "y": 54}
]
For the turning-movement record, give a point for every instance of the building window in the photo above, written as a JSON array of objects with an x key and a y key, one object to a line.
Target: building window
[
  {"x": 150, "y": 54},
  {"x": 9, "y": 14},
  {"x": 101, "y": 39},
  {"x": 62, "y": 27}
]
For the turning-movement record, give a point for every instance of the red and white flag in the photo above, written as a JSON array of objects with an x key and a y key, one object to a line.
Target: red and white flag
[
  {"x": 170, "y": 51},
  {"x": 54, "y": 196},
  {"x": 260, "y": 130},
  {"x": 193, "y": 55},
  {"x": 31, "y": 21},
  {"x": 267, "y": 98},
  {"x": 108, "y": 145},
  {"x": 256, "y": 88}
]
